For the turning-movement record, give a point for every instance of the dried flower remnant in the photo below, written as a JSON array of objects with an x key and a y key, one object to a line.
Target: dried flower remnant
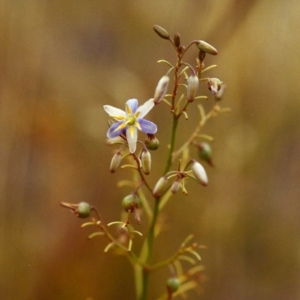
[{"x": 214, "y": 85}]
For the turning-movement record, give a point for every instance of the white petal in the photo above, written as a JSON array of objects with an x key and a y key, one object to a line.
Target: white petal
[
  {"x": 145, "y": 108},
  {"x": 113, "y": 111},
  {"x": 131, "y": 135}
]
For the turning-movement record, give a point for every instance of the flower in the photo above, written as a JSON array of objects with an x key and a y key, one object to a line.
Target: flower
[{"x": 130, "y": 120}]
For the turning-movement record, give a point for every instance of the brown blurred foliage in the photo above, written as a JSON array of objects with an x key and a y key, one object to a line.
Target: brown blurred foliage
[{"x": 60, "y": 61}]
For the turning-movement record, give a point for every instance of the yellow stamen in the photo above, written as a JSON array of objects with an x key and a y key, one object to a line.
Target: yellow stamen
[
  {"x": 119, "y": 118},
  {"x": 131, "y": 129},
  {"x": 122, "y": 126},
  {"x": 137, "y": 125},
  {"x": 128, "y": 109}
]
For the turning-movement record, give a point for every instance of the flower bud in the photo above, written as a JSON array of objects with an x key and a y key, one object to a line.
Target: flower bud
[
  {"x": 160, "y": 186},
  {"x": 161, "y": 89},
  {"x": 214, "y": 85},
  {"x": 131, "y": 202},
  {"x": 173, "y": 284},
  {"x": 192, "y": 87},
  {"x": 115, "y": 162},
  {"x": 199, "y": 173},
  {"x": 175, "y": 186},
  {"x": 177, "y": 39},
  {"x": 206, "y": 47},
  {"x": 201, "y": 55},
  {"x": 83, "y": 210},
  {"x": 163, "y": 33},
  {"x": 146, "y": 161},
  {"x": 152, "y": 142}
]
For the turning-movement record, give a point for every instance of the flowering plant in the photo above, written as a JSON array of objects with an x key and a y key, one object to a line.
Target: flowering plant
[{"x": 123, "y": 132}]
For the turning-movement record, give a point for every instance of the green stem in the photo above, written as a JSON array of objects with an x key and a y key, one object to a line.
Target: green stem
[
  {"x": 172, "y": 144},
  {"x": 151, "y": 235}
]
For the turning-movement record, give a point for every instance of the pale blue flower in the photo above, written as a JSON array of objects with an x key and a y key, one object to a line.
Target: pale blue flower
[{"x": 130, "y": 120}]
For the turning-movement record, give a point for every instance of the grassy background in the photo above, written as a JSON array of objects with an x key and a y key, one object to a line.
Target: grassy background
[{"x": 61, "y": 61}]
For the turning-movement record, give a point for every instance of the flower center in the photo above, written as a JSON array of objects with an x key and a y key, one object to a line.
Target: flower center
[{"x": 130, "y": 120}]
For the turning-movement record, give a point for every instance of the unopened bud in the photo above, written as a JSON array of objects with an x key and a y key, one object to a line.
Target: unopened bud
[
  {"x": 146, "y": 161},
  {"x": 161, "y": 89},
  {"x": 206, "y": 47},
  {"x": 131, "y": 202},
  {"x": 173, "y": 284},
  {"x": 152, "y": 142},
  {"x": 201, "y": 55},
  {"x": 199, "y": 173},
  {"x": 214, "y": 85},
  {"x": 177, "y": 39},
  {"x": 160, "y": 186},
  {"x": 115, "y": 162},
  {"x": 163, "y": 33},
  {"x": 175, "y": 186},
  {"x": 192, "y": 87}
]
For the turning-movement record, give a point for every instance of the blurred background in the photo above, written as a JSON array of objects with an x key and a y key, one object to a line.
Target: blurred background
[{"x": 61, "y": 61}]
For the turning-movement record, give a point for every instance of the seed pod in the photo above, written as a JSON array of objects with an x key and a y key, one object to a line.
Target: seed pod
[
  {"x": 173, "y": 284},
  {"x": 146, "y": 161},
  {"x": 192, "y": 87},
  {"x": 206, "y": 47},
  {"x": 131, "y": 202},
  {"x": 161, "y": 89},
  {"x": 83, "y": 210},
  {"x": 163, "y": 33},
  {"x": 205, "y": 151},
  {"x": 199, "y": 173},
  {"x": 152, "y": 142}
]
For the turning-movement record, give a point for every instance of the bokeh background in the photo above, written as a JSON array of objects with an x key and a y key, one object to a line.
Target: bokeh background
[{"x": 61, "y": 61}]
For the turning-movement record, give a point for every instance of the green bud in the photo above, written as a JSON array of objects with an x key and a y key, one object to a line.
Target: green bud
[
  {"x": 131, "y": 202},
  {"x": 152, "y": 142},
  {"x": 83, "y": 210},
  {"x": 146, "y": 161},
  {"x": 161, "y": 32},
  {"x": 206, "y": 47},
  {"x": 160, "y": 186},
  {"x": 205, "y": 151},
  {"x": 173, "y": 284}
]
